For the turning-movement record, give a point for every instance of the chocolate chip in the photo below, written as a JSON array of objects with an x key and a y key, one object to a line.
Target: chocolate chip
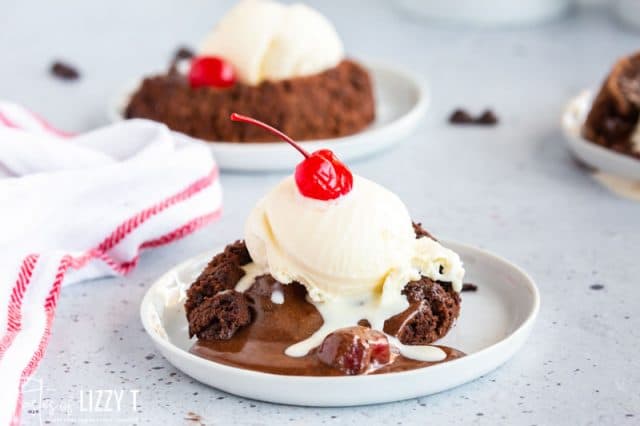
[
  {"x": 596, "y": 287},
  {"x": 469, "y": 287},
  {"x": 460, "y": 116},
  {"x": 64, "y": 71},
  {"x": 488, "y": 118},
  {"x": 183, "y": 52}
]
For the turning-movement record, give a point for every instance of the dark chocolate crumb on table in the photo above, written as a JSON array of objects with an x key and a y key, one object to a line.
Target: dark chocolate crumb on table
[
  {"x": 488, "y": 117},
  {"x": 469, "y": 287},
  {"x": 463, "y": 117},
  {"x": 460, "y": 116},
  {"x": 64, "y": 71}
]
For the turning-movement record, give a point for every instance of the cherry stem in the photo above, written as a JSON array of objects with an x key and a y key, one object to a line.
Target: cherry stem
[{"x": 244, "y": 119}]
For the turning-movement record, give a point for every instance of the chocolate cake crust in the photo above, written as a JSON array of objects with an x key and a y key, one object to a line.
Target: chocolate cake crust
[
  {"x": 336, "y": 102},
  {"x": 215, "y": 311}
]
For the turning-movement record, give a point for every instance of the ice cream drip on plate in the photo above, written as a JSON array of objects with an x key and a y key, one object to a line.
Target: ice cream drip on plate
[{"x": 349, "y": 241}]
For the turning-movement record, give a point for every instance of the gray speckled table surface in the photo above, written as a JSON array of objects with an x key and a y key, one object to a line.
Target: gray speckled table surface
[{"x": 513, "y": 189}]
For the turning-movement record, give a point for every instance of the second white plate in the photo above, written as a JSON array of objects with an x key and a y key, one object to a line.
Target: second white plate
[
  {"x": 594, "y": 155},
  {"x": 401, "y": 101},
  {"x": 494, "y": 323}
]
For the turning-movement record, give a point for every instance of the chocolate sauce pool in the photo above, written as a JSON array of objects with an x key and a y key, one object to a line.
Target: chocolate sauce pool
[{"x": 260, "y": 345}]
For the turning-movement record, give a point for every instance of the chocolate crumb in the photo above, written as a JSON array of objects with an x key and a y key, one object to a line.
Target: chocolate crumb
[
  {"x": 488, "y": 118},
  {"x": 64, "y": 71},
  {"x": 596, "y": 287},
  {"x": 183, "y": 52},
  {"x": 460, "y": 116},
  {"x": 469, "y": 287},
  {"x": 149, "y": 357}
]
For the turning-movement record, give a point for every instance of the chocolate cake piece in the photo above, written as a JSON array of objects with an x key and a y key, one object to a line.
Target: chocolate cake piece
[
  {"x": 219, "y": 316},
  {"x": 615, "y": 112},
  {"x": 222, "y": 273},
  {"x": 334, "y": 103},
  {"x": 433, "y": 308},
  {"x": 215, "y": 311}
]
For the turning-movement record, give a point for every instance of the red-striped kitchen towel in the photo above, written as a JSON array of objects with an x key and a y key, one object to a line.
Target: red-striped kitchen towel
[{"x": 79, "y": 207}]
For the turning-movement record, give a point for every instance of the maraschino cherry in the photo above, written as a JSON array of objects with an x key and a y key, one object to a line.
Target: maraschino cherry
[
  {"x": 320, "y": 175},
  {"x": 211, "y": 71}
]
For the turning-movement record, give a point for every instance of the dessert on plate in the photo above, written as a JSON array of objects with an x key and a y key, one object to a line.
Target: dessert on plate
[
  {"x": 332, "y": 278},
  {"x": 614, "y": 119},
  {"x": 283, "y": 64}
]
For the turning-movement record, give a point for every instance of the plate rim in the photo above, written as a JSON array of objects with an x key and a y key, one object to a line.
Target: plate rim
[
  {"x": 524, "y": 327},
  {"x": 572, "y": 121}
]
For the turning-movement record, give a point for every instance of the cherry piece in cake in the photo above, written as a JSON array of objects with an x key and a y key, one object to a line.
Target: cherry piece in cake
[{"x": 354, "y": 350}]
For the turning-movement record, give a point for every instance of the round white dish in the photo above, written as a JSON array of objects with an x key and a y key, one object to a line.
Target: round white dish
[
  {"x": 488, "y": 13},
  {"x": 493, "y": 325},
  {"x": 594, "y": 155},
  {"x": 401, "y": 101}
]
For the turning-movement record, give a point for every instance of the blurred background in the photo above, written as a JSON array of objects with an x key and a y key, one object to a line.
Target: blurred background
[{"x": 508, "y": 47}]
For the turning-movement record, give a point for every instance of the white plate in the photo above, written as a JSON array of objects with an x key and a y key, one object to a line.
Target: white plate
[
  {"x": 493, "y": 325},
  {"x": 594, "y": 155},
  {"x": 401, "y": 101},
  {"x": 488, "y": 13}
]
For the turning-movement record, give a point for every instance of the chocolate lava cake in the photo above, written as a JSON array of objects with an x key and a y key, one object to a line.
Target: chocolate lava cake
[
  {"x": 220, "y": 315},
  {"x": 614, "y": 116},
  {"x": 333, "y": 103}
]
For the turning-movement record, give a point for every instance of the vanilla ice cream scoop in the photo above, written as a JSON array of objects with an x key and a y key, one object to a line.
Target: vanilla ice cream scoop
[
  {"x": 266, "y": 40},
  {"x": 357, "y": 246}
]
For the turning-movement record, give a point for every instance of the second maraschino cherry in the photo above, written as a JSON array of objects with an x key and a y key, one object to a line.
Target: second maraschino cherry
[
  {"x": 211, "y": 71},
  {"x": 321, "y": 175}
]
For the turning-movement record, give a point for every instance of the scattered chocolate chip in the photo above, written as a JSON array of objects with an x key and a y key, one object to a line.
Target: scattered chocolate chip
[
  {"x": 469, "y": 287},
  {"x": 64, "y": 71},
  {"x": 596, "y": 287},
  {"x": 150, "y": 357},
  {"x": 460, "y": 116},
  {"x": 488, "y": 118},
  {"x": 183, "y": 52}
]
